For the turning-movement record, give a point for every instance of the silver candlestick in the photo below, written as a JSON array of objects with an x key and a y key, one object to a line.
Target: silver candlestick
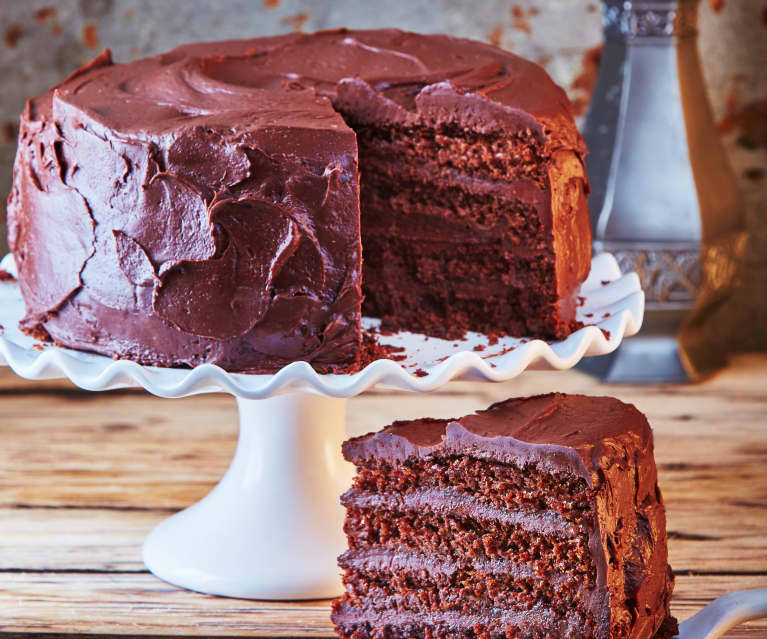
[{"x": 664, "y": 200}]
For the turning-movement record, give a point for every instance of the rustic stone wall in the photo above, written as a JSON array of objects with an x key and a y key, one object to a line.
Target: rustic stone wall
[{"x": 43, "y": 41}]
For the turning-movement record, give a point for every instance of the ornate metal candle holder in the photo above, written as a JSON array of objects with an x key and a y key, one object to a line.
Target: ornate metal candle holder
[{"x": 664, "y": 200}]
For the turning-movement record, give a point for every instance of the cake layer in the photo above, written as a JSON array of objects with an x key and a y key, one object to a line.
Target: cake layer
[
  {"x": 414, "y": 581},
  {"x": 480, "y": 287},
  {"x": 469, "y": 592},
  {"x": 495, "y": 155},
  {"x": 418, "y": 208},
  {"x": 382, "y": 559},
  {"x": 429, "y": 263},
  {"x": 462, "y": 538},
  {"x": 450, "y": 501},
  {"x": 499, "y": 485}
]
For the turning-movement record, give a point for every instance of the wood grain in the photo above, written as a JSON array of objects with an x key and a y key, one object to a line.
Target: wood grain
[
  {"x": 84, "y": 477},
  {"x": 116, "y": 603}
]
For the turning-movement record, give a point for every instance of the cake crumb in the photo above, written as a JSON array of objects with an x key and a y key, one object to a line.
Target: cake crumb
[
  {"x": 35, "y": 331},
  {"x": 589, "y": 314},
  {"x": 606, "y": 315},
  {"x": 479, "y": 348},
  {"x": 5, "y": 276},
  {"x": 606, "y": 282},
  {"x": 373, "y": 350},
  {"x": 503, "y": 351},
  {"x": 581, "y": 300},
  {"x": 419, "y": 372},
  {"x": 492, "y": 340},
  {"x": 606, "y": 333}
]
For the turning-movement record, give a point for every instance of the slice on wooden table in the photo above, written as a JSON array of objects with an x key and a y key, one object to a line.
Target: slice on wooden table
[{"x": 538, "y": 517}]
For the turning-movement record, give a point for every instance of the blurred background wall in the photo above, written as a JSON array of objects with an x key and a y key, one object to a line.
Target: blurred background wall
[{"x": 43, "y": 41}]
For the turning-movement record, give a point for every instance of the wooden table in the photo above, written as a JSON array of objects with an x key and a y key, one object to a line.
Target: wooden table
[{"x": 84, "y": 477}]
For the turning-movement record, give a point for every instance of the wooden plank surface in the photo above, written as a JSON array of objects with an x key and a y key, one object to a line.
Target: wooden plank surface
[{"x": 84, "y": 477}]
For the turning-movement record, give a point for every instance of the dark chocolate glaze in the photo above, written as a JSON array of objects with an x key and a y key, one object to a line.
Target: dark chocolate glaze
[
  {"x": 600, "y": 439},
  {"x": 203, "y": 205}
]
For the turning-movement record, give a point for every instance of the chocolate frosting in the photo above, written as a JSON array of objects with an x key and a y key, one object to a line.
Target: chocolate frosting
[
  {"x": 600, "y": 439},
  {"x": 203, "y": 205}
]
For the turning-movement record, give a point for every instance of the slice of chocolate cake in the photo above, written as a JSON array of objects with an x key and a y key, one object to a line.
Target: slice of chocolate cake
[{"x": 539, "y": 517}]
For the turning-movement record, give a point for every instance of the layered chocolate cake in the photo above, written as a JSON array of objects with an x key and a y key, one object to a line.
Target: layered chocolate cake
[
  {"x": 204, "y": 205},
  {"x": 539, "y": 517}
]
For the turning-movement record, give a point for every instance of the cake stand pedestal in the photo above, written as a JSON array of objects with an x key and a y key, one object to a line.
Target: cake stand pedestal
[
  {"x": 270, "y": 527},
  {"x": 273, "y": 527}
]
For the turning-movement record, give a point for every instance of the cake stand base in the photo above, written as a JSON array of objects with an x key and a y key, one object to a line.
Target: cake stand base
[
  {"x": 641, "y": 360},
  {"x": 273, "y": 527},
  {"x": 659, "y": 354}
]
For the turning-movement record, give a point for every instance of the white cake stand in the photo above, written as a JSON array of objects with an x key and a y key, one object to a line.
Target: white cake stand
[{"x": 272, "y": 528}]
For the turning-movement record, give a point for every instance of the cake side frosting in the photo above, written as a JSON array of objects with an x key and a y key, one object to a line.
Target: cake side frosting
[{"x": 210, "y": 225}]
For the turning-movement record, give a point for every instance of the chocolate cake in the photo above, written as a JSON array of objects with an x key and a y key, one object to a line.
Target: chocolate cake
[
  {"x": 538, "y": 517},
  {"x": 204, "y": 205}
]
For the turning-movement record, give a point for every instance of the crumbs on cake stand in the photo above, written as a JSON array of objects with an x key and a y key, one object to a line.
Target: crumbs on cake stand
[
  {"x": 419, "y": 372},
  {"x": 503, "y": 351},
  {"x": 5, "y": 276},
  {"x": 372, "y": 350}
]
